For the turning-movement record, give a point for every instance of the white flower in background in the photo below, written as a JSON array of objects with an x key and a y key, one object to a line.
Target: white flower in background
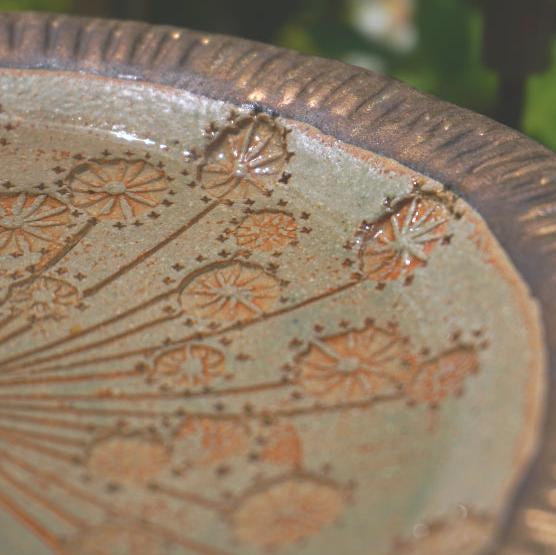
[{"x": 390, "y": 22}]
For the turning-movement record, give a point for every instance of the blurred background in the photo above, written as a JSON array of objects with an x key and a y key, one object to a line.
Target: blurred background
[{"x": 497, "y": 57}]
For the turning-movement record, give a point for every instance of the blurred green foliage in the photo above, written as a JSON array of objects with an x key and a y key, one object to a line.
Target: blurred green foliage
[
  {"x": 453, "y": 71},
  {"x": 540, "y": 114},
  {"x": 445, "y": 59},
  {"x": 43, "y": 5}
]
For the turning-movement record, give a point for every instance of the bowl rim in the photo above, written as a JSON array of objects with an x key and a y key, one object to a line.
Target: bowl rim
[{"x": 507, "y": 177}]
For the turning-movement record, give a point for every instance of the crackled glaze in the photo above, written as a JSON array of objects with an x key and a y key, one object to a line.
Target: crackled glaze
[{"x": 223, "y": 332}]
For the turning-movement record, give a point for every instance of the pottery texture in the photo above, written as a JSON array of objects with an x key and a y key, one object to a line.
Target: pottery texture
[{"x": 254, "y": 301}]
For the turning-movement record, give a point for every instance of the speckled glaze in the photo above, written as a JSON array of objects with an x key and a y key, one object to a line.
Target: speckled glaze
[{"x": 230, "y": 328}]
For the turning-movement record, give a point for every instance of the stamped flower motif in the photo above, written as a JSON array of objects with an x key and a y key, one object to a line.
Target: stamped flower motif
[
  {"x": 286, "y": 512},
  {"x": 466, "y": 535},
  {"x": 46, "y": 298},
  {"x": 117, "y": 189},
  {"x": 444, "y": 376},
  {"x": 188, "y": 366},
  {"x": 354, "y": 366},
  {"x": 155, "y": 508},
  {"x": 31, "y": 223},
  {"x": 128, "y": 459},
  {"x": 266, "y": 231},
  {"x": 207, "y": 441},
  {"x": 233, "y": 293},
  {"x": 396, "y": 245},
  {"x": 247, "y": 156},
  {"x": 115, "y": 539},
  {"x": 281, "y": 445}
]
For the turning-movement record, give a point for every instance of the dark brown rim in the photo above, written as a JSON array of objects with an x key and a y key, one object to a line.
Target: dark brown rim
[{"x": 509, "y": 179}]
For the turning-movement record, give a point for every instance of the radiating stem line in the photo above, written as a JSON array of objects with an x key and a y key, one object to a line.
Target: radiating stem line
[
  {"x": 192, "y": 545},
  {"x": 43, "y": 450},
  {"x": 181, "y": 413},
  {"x": 7, "y": 320},
  {"x": 99, "y": 343},
  {"x": 46, "y": 437},
  {"x": 54, "y": 478},
  {"x": 145, "y": 396},
  {"x": 85, "y": 362},
  {"x": 50, "y": 422},
  {"x": 16, "y": 333},
  {"x": 321, "y": 409},
  {"x": 111, "y": 413},
  {"x": 47, "y": 537},
  {"x": 75, "y": 378},
  {"x": 147, "y": 254},
  {"x": 112, "y": 320},
  {"x": 69, "y": 518}
]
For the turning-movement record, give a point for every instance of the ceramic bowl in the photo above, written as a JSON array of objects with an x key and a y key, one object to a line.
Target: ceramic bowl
[{"x": 254, "y": 301}]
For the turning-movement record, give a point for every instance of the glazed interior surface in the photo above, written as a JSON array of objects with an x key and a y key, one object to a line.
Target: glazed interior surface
[{"x": 222, "y": 332}]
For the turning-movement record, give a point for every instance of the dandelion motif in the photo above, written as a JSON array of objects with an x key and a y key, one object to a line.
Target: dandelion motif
[
  {"x": 444, "y": 376},
  {"x": 207, "y": 441},
  {"x": 354, "y": 366},
  {"x": 266, "y": 231},
  {"x": 31, "y": 223},
  {"x": 247, "y": 156},
  {"x": 396, "y": 245},
  {"x": 46, "y": 298},
  {"x": 237, "y": 292},
  {"x": 128, "y": 459},
  {"x": 188, "y": 366},
  {"x": 281, "y": 445},
  {"x": 117, "y": 189},
  {"x": 287, "y": 512}
]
